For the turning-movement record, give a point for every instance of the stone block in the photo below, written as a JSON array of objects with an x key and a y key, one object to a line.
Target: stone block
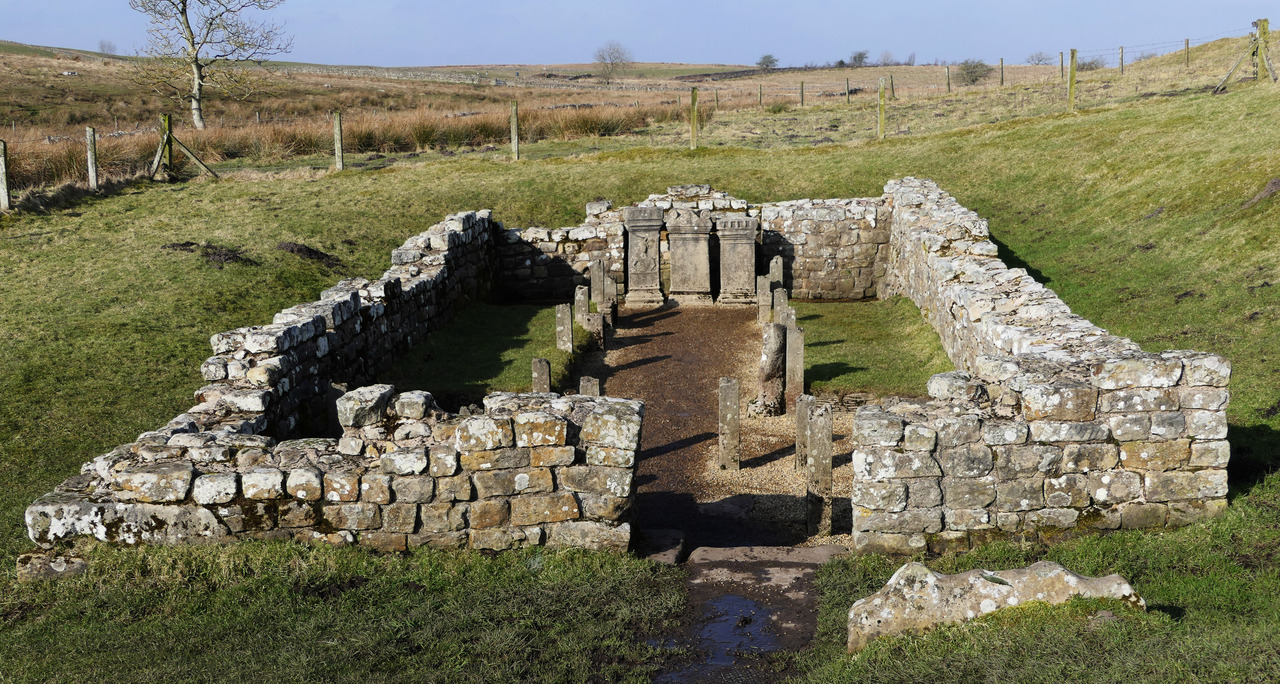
[
  {"x": 952, "y": 386},
  {"x": 214, "y": 488},
  {"x": 596, "y": 480},
  {"x": 1068, "y": 491},
  {"x": 1207, "y": 369},
  {"x": 503, "y": 538},
  {"x": 924, "y": 493},
  {"x": 509, "y": 482},
  {"x": 881, "y": 496},
  {"x": 968, "y": 519},
  {"x": 547, "y": 508},
  {"x": 364, "y": 406},
  {"x": 1166, "y": 425},
  {"x": 1012, "y": 462},
  {"x": 1020, "y": 495},
  {"x": 413, "y": 489},
  {"x": 1115, "y": 486},
  {"x": 1059, "y": 402},
  {"x": 614, "y": 426},
  {"x": 414, "y": 405},
  {"x": 876, "y": 429},
  {"x": 443, "y": 517},
  {"x": 1182, "y": 513},
  {"x": 1137, "y": 400},
  {"x": 262, "y": 483},
  {"x": 537, "y": 429},
  {"x": 968, "y": 460},
  {"x": 438, "y": 540},
  {"x": 1148, "y": 371},
  {"x": 1155, "y": 455},
  {"x": 405, "y": 462},
  {"x": 305, "y": 483},
  {"x": 443, "y": 461},
  {"x": 1204, "y": 398},
  {"x": 957, "y": 430},
  {"x": 456, "y": 488},
  {"x": 1053, "y": 431},
  {"x": 949, "y": 541},
  {"x": 1136, "y": 516},
  {"x": 353, "y": 516},
  {"x": 1207, "y": 424},
  {"x": 401, "y": 518},
  {"x": 1062, "y": 518},
  {"x": 375, "y": 488},
  {"x": 495, "y": 459},
  {"x": 488, "y": 513},
  {"x": 384, "y": 542},
  {"x": 341, "y": 486},
  {"x": 1210, "y": 454},
  {"x": 871, "y": 463},
  {"x": 1130, "y": 427},
  {"x": 1180, "y": 486},
  {"x": 912, "y": 520},
  {"x": 545, "y": 457},
  {"x": 590, "y": 535},
  {"x": 1085, "y": 458},
  {"x": 484, "y": 433},
  {"x": 155, "y": 482},
  {"x": 609, "y": 456},
  {"x": 919, "y": 438},
  {"x": 600, "y": 507},
  {"x": 968, "y": 492},
  {"x": 297, "y": 514},
  {"x": 888, "y": 544},
  {"x": 1004, "y": 432}
]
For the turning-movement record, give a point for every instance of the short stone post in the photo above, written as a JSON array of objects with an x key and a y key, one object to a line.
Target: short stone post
[
  {"x": 597, "y": 283},
  {"x": 91, "y": 147},
  {"x": 764, "y": 300},
  {"x": 541, "y": 375},
  {"x": 564, "y": 327},
  {"x": 775, "y": 273},
  {"x": 779, "y": 303},
  {"x": 581, "y": 302},
  {"x": 589, "y": 386},
  {"x": 730, "y": 438},
  {"x": 795, "y": 364},
  {"x": 772, "y": 370},
  {"x": 594, "y": 324},
  {"x": 804, "y": 403},
  {"x": 818, "y": 469},
  {"x": 338, "y": 162},
  {"x": 4, "y": 178}
]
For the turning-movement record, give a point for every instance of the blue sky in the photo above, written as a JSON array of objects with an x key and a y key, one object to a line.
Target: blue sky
[{"x": 403, "y": 33}]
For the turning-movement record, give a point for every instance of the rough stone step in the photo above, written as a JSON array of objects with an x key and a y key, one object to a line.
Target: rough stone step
[
  {"x": 662, "y": 546},
  {"x": 815, "y": 555}
]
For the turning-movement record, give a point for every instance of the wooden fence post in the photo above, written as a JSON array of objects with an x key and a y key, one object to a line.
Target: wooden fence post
[
  {"x": 257, "y": 118},
  {"x": 1071, "y": 83},
  {"x": 948, "y": 78},
  {"x": 1263, "y": 59},
  {"x": 880, "y": 107},
  {"x": 893, "y": 92},
  {"x": 693, "y": 118},
  {"x": 1186, "y": 50},
  {"x": 1122, "y": 60},
  {"x": 515, "y": 131},
  {"x": 167, "y": 158},
  {"x": 1002, "y": 71},
  {"x": 760, "y": 96},
  {"x": 91, "y": 147},
  {"x": 847, "y": 94},
  {"x": 802, "y": 93},
  {"x": 4, "y": 177},
  {"x": 337, "y": 141},
  {"x": 1062, "y": 69},
  {"x": 717, "y": 93}
]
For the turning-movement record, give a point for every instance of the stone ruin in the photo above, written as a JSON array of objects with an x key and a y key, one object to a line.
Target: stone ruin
[{"x": 1049, "y": 425}]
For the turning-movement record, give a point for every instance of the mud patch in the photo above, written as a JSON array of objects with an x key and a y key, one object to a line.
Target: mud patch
[
  {"x": 310, "y": 253},
  {"x": 1272, "y": 187},
  {"x": 217, "y": 255}
]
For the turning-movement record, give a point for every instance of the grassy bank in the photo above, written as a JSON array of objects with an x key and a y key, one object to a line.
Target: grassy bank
[{"x": 1132, "y": 213}]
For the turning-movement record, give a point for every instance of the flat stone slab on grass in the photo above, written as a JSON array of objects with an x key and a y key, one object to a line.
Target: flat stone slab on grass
[{"x": 917, "y": 598}]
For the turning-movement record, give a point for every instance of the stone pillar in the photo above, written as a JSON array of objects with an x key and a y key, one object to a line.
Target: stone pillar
[
  {"x": 818, "y": 469},
  {"x": 737, "y": 260},
  {"x": 644, "y": 289},
  {"x": 541, "y": 375},
  {"x": 689, "y": 235},
  {"x": 772, "y": 370},
  {"x": 803, "y": 405},
  {"x": 779, "y": 303},
  {"x": 594, "y": 324},
  {"x": 730, "y": 438},
  {"x": 581, "y": 302},
  {"x": 589, "y": 386},
  {"x": 775, "y": 273},
  {"x": 795, "y": 364},
  {"x": 564, "y": 327},
  {"x": 764, "y": 300},
  {"x": 596, "y": 275}
]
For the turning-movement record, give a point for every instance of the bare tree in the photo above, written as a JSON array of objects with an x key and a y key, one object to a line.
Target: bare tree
[
  {"x": 612, "y": 58},
  {"x": 911, "y": 60},
  {"x": 197, "y": 43},
  {"x": 767, "y": 62},
  {"x": 859, "y": 58},
  {"x": 886, "y": 59},
  {"x": 1039, "y": 58},
  {"x": 106, "y": 47}
]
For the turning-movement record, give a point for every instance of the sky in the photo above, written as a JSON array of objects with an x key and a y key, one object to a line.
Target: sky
[{"x": 797, "y": 32}]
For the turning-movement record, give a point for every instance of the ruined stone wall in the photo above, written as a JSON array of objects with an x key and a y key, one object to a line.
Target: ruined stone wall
[
  {"x": 541, "y": 264},
  {"x": 1052, "y": 423},
  {"x": 831, "y": 249},
  {"x": 533, "y": 469}
]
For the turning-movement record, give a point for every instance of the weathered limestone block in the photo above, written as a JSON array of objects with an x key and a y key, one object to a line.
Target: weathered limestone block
[
  {"x": 1130, "y": 427},
  {"x": 888, "y": 544},
  {"x": 405, "y": 462},
  {"x": 590, "y": 535},
  {"x": 1141, "y": 399},
  {"x": 55, "y": 517},
  {"x": 262, "y": 483},
  {"x": 1068, "y": 491},
  {"x": 1026, "y": 460},
  {"x": 872, "y": 463},
  {"x": 924, "y": 493},
  {"x": 919, "y": 438},
  {"x": 1003, "y": 432},
  {"x": 917, "y": 599},
  {"x": 1062, "y": 518},
  {"x": 305, "y": 483},
  {"x": 484, "y": 433},
  {"x": 1155, "y": 455},
  {"x": 503, "y": 538},
  {"x": 1210, "y": 454},
  {"x": 968, "y": 492},
  {"x": 341, "y": 486},
  {"x": 1115, "y": 486},
  {"x": 876, "y": 429},
  {"x": 614, "y": 425},
  {"x": 609, "y": 456},
  {"x": 1207, "y": 424},
  {"x": 534, "y": 429},
  {"x": 1182, "y": 513},
  {"x": 1053, "y": 431},
  {"x": 909, "y": 521},
  {"x": 1020, "y": 495},
  {"x": 214, "y": 488},
  {"x": 957, "y": 430},
  {"x": 353, "y": 516},
  {"x": 596, "y": 480},
  {"x": 400, "y": 518},
  {"x": 414, "y": 405},
  {"x": 155, "y": 482},
  {"x": 968, "y": 519},
  {"x": 1085, "y": 458},
  {"x": 533, "y": 510},
  {"x": 413, "y": 489},
  {"x": 1146, "y": 371},
  {"x": 954, "y": 386},
  {"x": 882, "y": 496},
  {"x": 1180, "y": 486},
  {"x": 1136, "y": 516},
  {"x": 443, "y": 517},
  {"x": 968, "y": 460},
  {"x": 495, "y": 460},
  {"x": 1059, "y": 402},
  {"x": 364, "y": 406}
]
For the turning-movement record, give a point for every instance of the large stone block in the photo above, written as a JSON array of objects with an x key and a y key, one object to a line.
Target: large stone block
[
  {"x": 1134, "y": 516},
  {"x": 214, "y": 488},
  {"x": 456, "y": 488},
  {"x": 968, "y": 518},
  {"x": 414, "y": 488},
  {"x": 1013, "y": 462},
  {"x": 443, "y": 517},
  {"x": 968, "y": 460},
  {"x": 484, "y": 433},
  {"x": 957, "y": 430},
  {"x": 1053, "y": 431},
  {"x": 1155, "y": 455},
  {"x": 596, "y": 480},
  {"x": 1068, "y": 491},
  {"x": 1182, "y": 513},
  {"x": 405, "y": 462},
  {"x": 1115, "y": 486},
  {"x": 305, "y": 483},
  {"x": 488, "y": 513},
  {"x": 353, "y": 516},
  {"x": 1086, "y": 458},
  {"x": 341, "y": 486},
  {"x": 1210, "y": 454},
  {"x": 910, "y": 521},
  {"x": 1062, "y": 518},
  {"x": 1204, "y": 398},
  {"x": 262, "y": 483},
  {"x": 546, "y": 457},
  {"x": 1147, "y": 371},
  {"x": 1059, "y": 402},
  {"x": 924, "y": 493},
  {"x": 536, "y": 509},
  {"x": 1207, "y": 424},
  {"x": 1003, "y": 432},
  {"x": 1020, "y": 495},
  {"x": 537, "y": 429},
  {"x": 968, "y": 492},
  {"x": 882, "y": 496},
  {"x": 1207, "y": 369},
  {"x": 876, "y": 429},
  {"x": 610, "y": 456},
  {"x": 590, "y": 535},
  {"x": 1130, "y": 427},
  {"x": 1137, "y": 400},
  {"x": 616, "y": 426},
  {"x": 364, "y": 406},
  {"x": 871, "y": 463},
  {"x": 509, "y": 482},
  {"x": 1180, "y": 486},
  {"x": 375, "y": 488},
  {"x": 401, "y": 518},
  {"x": 155, "y": 482},
  {"x": 495, "y": 459},
  {"x": 443, "y": 460},
  {"x": 503, "y": 538},
  {"x": 888, "y": 544},
  {"x": 919, "y": 438}
]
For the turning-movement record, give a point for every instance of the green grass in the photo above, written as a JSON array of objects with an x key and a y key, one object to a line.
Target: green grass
[
  {"x": 486, "y": 348},
  {"x": 1131, "y": 213},
  {"x": 270, "y": 612},
  {"x": 884, "y": 347}
]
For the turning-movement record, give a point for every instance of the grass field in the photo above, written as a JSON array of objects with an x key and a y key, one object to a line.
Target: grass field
[{"x": 1133, "y": 213}]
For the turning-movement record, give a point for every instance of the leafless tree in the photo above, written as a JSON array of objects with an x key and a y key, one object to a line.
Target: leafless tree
[
  {"x": 1039, "y": 58},
  {"x": 612, "y": 58},
  {"x": 193, "y": 44},
  {"x": 859, "y": 58},
  {"x": 886, "y": 59},
  {"x": 106, "y": 47}
]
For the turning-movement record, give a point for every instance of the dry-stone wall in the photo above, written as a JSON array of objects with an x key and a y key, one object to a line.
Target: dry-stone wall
[
  {"x": 1051, "y": 424},
  {"x": 832, "y": 249},
  {"x": 533, "y": 469}
]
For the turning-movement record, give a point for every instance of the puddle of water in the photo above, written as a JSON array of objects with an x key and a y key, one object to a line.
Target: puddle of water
[{"x": 737, "y": 626}]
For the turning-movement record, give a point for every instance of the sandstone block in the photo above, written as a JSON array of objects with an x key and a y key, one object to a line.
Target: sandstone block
[
  {"x": 876, "y": 429},
  {"x": 353, "y": 516},
  {"x": 509, "y": 482},
  {"x": 1013, "y": 462},
  {"x": 1051, "y": 431},
  {"x": 385, "y": 542},
  {"x": 919, "y": 438},
  {"x": 957, "y": 430},
  {"x": 1203, "y": 398},
  {"x": 1136, "y": 516},
  {"x": 503, "y": 538},
  {"x": 888, "y": 544},
  {"x": 438, "y": 540},
  {"x": 364, "y": 406},
  {"x": 413, "y": 489},
  {"x": 400, "y": 518},
  {"x": 1059, "y": 402},
  {"x": 1068, "y": 491},
  {"x": 1150, "y": 371},
  {"x": 1062, "y": 518},
  {"x": 341, "y": 486},
  {"x": 375, "y": 488},
  {"x": 968, "y": 519},
  {"x": 262, "y": 483},
  {"x": 609, "y": 456},
  {"x": 1210, "y": 454},
  {"x": 1182, "y": 513},
  {"x": 924, "y": 493},
  {"x": 968, "y": 460},
  {"x": 1207, "y": 424},
  {"x": 1178, "y": 486},
  {"x": 155, "y": 482},
  {"x": 968, "y": 492},
  {"x": 910, "y": 521},
  {"x": 882, "y": 496},
  {"x": 1115, "y": 486},
  {"x": 1207, "y": 369},
  {"x": 443, "y": 517},
  {"x": 494, "y": 459},
  {"x": 456, "y": 488},
  {"x": 599, "y": 507},
  {"x": 484, "y": 433},
  {"x": 1003, "y": 432},
  {"x": 413, "y": 405},
  {"x": 214, "y": 488},
  {"x": 548, "y": 456},
  {"x": 305, "y": 483},
  {"x": 532, "y": 510},
  {"x": 1155, "y": 455},
  {"x": 443, "y": 461},
  {"x": 405, "y": 462},
  {"x": 488, "y": 513},
  {"x": 297, "y": 514},
  {"x": 596, "y": 480},
  {"x": 590, "y": 535},
  {"x": 1130, "y": 427},
  {"x": 952, "y": 386},
  {"x": 1139, "y": 399},
  {"x": 871, "y": 463},
  {"x": 614, "y": 425},
  {"x": 1020, "y": 495},
  {"x": 1085, "y": 458},
  {"x": 537, "y": 429}
]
